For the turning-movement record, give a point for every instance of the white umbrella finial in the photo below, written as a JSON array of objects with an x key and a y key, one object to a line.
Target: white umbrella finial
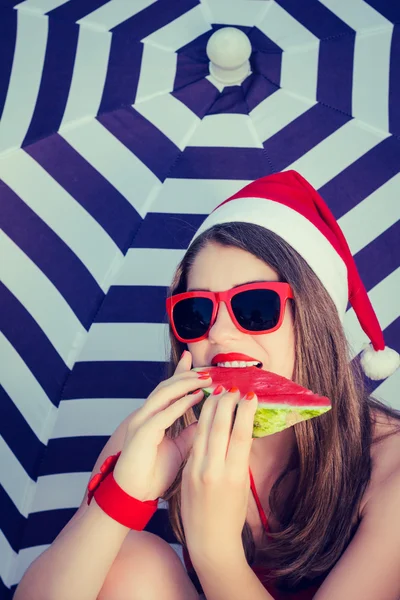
[{"x": 229, "y": 50}]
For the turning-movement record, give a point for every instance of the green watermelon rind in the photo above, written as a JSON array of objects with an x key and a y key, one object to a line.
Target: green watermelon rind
[{"x": 268, "y": 421}]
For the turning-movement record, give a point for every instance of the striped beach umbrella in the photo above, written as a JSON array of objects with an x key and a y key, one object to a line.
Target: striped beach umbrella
[{"x": 117, "y": 138}]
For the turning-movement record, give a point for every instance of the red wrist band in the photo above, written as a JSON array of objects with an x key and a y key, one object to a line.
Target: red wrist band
[{"x": 114, "y": 501}]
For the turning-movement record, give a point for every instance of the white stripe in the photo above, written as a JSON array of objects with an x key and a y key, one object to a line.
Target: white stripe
[
  {"x": 180, "y": 31},
  {"x": 127, "y": 342},
  {"x": 59, "y": 491},
  {"x": 336, "y": 152},
  {"x": 388, "y": 390},
  {"x": 298, "y": 231},
  {"x": 15, "y": 480},
  {"x": 7, "y": 562},
  {"x": 285, "y": 30},
  {"x": 277, "y": 111},
  {"x": 66, "y": 217},
  {"x": 26, "y": 74},
  {"x": 371, "y": 217},
  {"x": 239, "y": 12},
  {"x": 371, "y": 72},
  {"x": 75, "y": 417},
  {"x": 357, "y": 14},
  {"x": 160, "y": 267},
  {"x": 194, "y": 196},
  {"x": 116, "y": 163},
  {"x": 40, "y": 6},
  {"x": 299, "y": 72},
  {"x": 384, "y": 299},
  {"x": 227, "y": 130},
  {"x": 88, "y": 79},
  {"x": 170, "y": 116},
  {"x": 41, "y": 300},
  {"x": 113, "y": 13},
  {"x": 157, "y": 73},
  {"x": 26, "y": 392}
]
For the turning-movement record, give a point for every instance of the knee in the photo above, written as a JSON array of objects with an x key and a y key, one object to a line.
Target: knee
[{"x": 147, "y": 568}]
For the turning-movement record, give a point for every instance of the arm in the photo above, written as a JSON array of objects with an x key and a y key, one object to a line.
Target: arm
[
  {"x": 231, "y": 578},
  {"x": 79, "y": 559},
  {"x": 370, "y": 566}
]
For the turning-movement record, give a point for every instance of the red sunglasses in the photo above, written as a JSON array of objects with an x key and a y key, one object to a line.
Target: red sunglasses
[{"x": 255, "y": 308}]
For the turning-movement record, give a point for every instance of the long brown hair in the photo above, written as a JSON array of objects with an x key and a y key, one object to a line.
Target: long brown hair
[{"x": 332, "y": 458}]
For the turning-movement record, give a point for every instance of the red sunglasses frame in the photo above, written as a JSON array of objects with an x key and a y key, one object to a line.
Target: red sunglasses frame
[{"x": 283, "y": 290}]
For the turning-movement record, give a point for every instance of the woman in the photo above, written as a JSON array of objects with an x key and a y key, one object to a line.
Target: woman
[{"x": 321, "y": 519}]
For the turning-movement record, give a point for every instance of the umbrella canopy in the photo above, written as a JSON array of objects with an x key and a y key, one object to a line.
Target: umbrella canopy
[{"x": 115, "y": 143}]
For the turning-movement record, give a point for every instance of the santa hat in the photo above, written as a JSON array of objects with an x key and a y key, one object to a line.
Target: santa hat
[{"x": 288, "y": 205}]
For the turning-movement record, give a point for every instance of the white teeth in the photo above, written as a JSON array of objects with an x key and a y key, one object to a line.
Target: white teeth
[{"x": 238, "y": 363}]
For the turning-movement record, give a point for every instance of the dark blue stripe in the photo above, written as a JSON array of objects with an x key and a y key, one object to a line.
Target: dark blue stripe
[
  {"x": 72, "y": 454},
  {"x": 12, "y": 522},
  {"x": 230, "y": 101},
  {"x": 133, "y": 304},
  {"x": 335, "y": 72},
  {"x": 73, "y": 10},
  {"x": 316, "y": 18},
  {"x": 114, "y": 379},
  {"x": 5, "y": 592},
  {"x": 362, "y": 177},
  {"x": 394, "y": 83},
  {"x": 57, "y": 261},
  {"x": 20, "y": 438},
  {"x": 266, "y": 58},
  {"x": 199, "y": 96},
  {"x": 256, "y": 89},
  {"x": 154, "y": 17},
  {"x": 380, "y": 257},
  {"x": 388, "y": 8},
  {"x": 302, "y": 134},
  {"x": 190, "y": 70},
  {"x": 222, "y": 163},
  {"x": 392, "y": 340},
  {"x": 34, "y": 347},
  {"x": 145, "y": 140},
  {"x": 167, "y": 230},
  {"x": 8, "y": 36},
  {"x": 56, "y": 80},
  {"x": 89, "y": 188},
  {"x": 123, "y": 73}
]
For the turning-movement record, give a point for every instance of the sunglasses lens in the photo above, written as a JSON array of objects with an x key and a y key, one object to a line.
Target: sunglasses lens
[
  {"x": 192, "y": 317},
  {"x": 257, "y": 310}
]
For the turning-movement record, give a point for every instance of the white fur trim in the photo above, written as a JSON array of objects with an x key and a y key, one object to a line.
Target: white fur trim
[
  {"x": 297, "y": 231},
  {"x": 379, "y": 364}
]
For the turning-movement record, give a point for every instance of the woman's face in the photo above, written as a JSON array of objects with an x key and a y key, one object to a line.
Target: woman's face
[{"x": 218, "y": 268}]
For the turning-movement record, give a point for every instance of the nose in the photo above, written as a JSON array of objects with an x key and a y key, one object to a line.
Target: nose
[{"x": 223, "y": 326}]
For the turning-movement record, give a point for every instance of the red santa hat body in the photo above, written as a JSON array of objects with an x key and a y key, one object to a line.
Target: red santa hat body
[{"x": 288, "y": 205}]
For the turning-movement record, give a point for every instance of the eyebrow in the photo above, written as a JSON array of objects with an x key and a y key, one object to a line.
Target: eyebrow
[{"x": 234, "y": 286}]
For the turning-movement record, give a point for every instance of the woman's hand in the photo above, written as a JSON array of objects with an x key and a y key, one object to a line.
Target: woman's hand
[{"x": 215, "y": 480}]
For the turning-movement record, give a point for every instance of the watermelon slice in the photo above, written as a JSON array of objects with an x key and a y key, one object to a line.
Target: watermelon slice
[{"x": 281, "y": 402}]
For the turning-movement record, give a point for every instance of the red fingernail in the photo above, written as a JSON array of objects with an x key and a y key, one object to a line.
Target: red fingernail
[
  {"x": 218, "y": 390},
  {"x": 233, "y": 390},
  {"x": 249, "y": 396}
]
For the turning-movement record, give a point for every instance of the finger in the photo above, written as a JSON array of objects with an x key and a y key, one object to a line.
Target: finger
[
  {"x": 238, "y": 455},
  {"x": 185, "y": 362},
  {"x": 204, "y": 425},
  {"x": 168, "y": 395},
  {"x": 220, "y": 432},
  {"x": 155, "y": 427}
]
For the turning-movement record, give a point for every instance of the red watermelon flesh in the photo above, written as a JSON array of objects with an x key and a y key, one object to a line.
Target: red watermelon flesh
[{"x": 281, "y": 402}]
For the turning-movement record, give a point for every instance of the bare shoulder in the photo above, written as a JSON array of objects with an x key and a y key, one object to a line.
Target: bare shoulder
[{"x": 385, "y": 456}]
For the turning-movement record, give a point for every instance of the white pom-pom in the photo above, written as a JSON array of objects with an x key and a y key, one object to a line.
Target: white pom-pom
[{"x": 379, "y": 364}]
